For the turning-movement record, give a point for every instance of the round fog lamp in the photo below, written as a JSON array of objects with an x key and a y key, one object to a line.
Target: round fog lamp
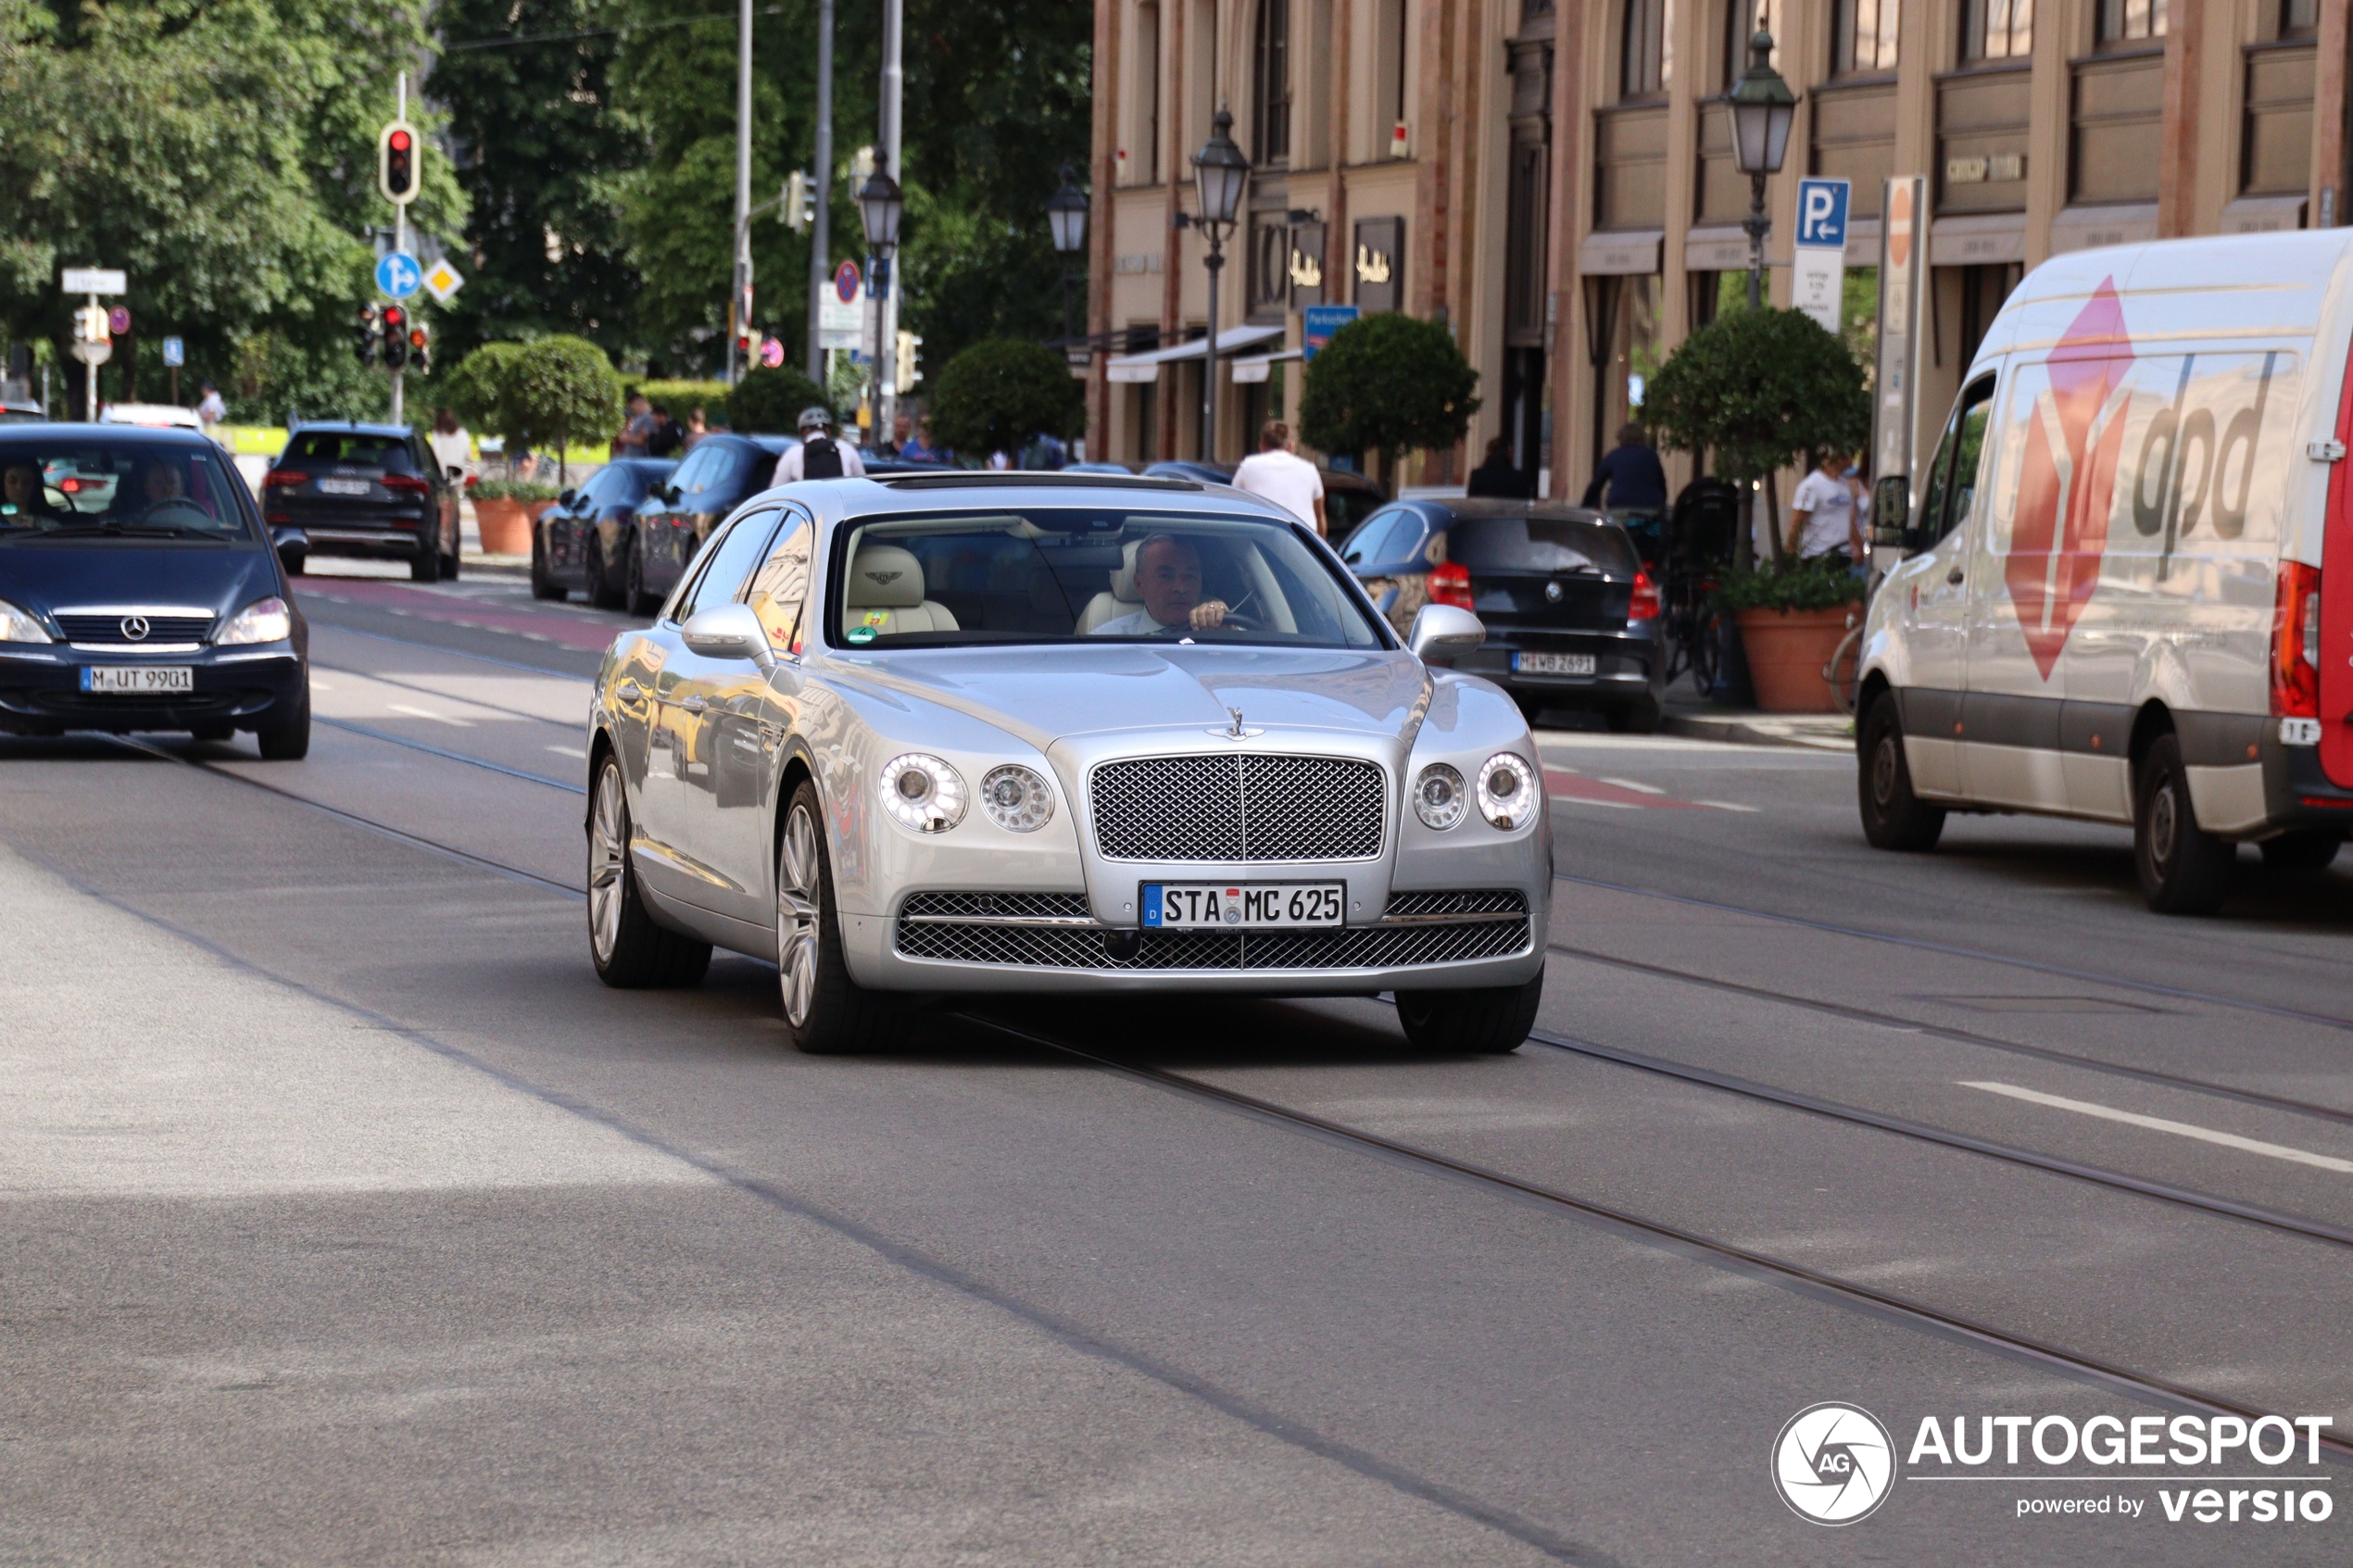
[
  {"x": 1508, "y": 793},
  {"x": 923, "y": 793},
  {"x": 1016, "y": 798},
  {"x": 1440, "y": 798}
]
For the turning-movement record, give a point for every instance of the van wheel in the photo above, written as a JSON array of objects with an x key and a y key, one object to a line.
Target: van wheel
[
  {"x": 629, "y": 951},
  {"x": 1893, "y": 818},
  {"x": 2184, "y": 869},
  {"x": 826, "y": 1012},
  {"x": 2307, "y": 849},
  {"x": 1486, "y": 1023}
]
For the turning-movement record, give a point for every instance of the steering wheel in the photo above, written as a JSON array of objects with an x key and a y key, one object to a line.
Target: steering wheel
[
  {"x": 157, "y": 511},
  {"x": 1232, "y": 623}
]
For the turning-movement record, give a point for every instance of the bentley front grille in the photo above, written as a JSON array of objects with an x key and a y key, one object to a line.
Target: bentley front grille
[{"x": 1239, "y": 808}]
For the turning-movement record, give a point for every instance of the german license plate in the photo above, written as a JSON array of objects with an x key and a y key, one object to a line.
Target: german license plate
[
  {"x": 1553, "y": 663},
  {"x": 344, "y": 487},
  {"x": 137, "y": 680},
  {"x": 1254, "y": 905}
]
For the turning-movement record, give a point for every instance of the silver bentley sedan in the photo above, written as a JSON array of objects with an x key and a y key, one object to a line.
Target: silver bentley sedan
[{"x": 953, "y": 734}]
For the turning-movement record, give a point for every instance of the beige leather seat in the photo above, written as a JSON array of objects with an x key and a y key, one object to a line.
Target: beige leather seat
[
  {"x": 1125, "y": 597},
  {"x": 887, "y": 592}
]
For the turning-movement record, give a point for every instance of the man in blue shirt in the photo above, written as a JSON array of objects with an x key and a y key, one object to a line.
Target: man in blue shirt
[{"x": 1631, "y": 475}]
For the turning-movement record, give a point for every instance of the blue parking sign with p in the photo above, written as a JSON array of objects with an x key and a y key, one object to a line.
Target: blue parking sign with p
[{"x": 1821, "y": 213}]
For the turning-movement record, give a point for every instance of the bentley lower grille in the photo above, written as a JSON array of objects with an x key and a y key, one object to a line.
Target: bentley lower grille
[
  {"x": 1239, "y": 808},
  {"x": 1403, "y": 939}
]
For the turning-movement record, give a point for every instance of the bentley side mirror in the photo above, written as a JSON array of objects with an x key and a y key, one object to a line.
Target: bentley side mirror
[
  {"x": 1891, "y": 510},
  {"x": 1442, "y": 634},
  {"x": 728, "y": 631},
  {"x": 293, "y": 546}
]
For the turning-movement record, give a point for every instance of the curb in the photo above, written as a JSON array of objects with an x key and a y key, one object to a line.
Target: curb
[{"x": 1827, "y": 734}]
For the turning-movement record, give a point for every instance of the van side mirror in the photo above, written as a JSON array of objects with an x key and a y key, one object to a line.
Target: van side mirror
[
  {"x": 1891, "y": 510},
  {"x": 1442, "y": 634}
]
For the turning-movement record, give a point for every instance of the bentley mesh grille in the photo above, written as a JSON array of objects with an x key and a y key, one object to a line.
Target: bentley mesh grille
[
  {"x": 1239, "y": 808},
  {"x": 107, "y": 629},
  {"x": 1378, "y": 947},
  {"x": 999, "y": 906}
]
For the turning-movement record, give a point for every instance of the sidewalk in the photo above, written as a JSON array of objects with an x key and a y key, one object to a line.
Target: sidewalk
[{"x": 1818, "y": 732}]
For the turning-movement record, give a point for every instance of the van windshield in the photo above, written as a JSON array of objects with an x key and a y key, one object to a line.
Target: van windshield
[{"x": 85, "y": 487}]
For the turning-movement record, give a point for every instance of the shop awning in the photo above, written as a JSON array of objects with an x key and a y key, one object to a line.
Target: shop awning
[
  {"x": 1146, "y": 367},
  {"x": 1254, "y": 366}
]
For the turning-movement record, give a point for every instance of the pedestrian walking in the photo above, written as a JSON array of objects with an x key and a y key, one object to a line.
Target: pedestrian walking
[
  {"x": 1823, "y": 530},
  {"x": 923, "y": 449},
  {"x": 631, "y": 442},
  {"x": 210, "y": 409},
  {"x": 820, "y": 455},
  {"x": 1630, "y": 479},
  {"x": 665, "y": 438},
  {"x": 1499, "y": 477},
  {"x": 1277, "y": 474},
  {"x": 698, "y": 426},
  {"x": 453, "y": 447}
]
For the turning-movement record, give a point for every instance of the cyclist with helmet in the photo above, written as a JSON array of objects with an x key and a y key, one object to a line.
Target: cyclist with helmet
[{"x": 819, "y": 455}]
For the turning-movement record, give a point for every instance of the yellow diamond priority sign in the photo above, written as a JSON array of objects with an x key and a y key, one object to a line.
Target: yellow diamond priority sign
[{"x": 444, "y": 280}]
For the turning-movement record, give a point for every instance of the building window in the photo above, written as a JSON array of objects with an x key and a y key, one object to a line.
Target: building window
[
  {"x": 1742, "y": 18},
  {"x": 1865, "y": 36},
  {"x": 2131, "y": 21},
  {"x": 1148, "y": 95},
  {"x": 1996, "y": 30},
  {"x": 1271, "y": 75},
  {"x": 2299, "y": 18},
  {"x": 1388, "y": 104},
  {"x": 1649, "y": 68}
]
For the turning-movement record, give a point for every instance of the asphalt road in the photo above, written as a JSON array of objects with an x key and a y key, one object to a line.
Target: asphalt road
[{"x": 347, "y": 1219}]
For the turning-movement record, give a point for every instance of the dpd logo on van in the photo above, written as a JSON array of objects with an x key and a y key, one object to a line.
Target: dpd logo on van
[
  {"x": 2072, "y": 444},
  {"x": 1833, "y": 1463}
]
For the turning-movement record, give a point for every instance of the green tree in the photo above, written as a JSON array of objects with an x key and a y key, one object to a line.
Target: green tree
[
  {"x": 481, "y": 389},
  {"x": 1759, "y": 389},
  {"x": 770, "y": 399},
  {"x": 1387, "y": 383},
  {"x": 565, "y": 390},
  {"x": 996, "y": 394}
]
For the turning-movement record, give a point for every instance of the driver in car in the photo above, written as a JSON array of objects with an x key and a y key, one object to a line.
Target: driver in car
[
  {"x": 21, "y": 503},
  {"x": 1168, "y": 579},
  {"x": 162, "y": 483}
]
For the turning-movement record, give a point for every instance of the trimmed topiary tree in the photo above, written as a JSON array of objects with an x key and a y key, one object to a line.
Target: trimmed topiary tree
[
  {"x": 996, "y": 394},
  {"x": 1760, "y": 389},
  {"x": 769, "y": 400},
  {"x": 480, "y": 391},
  {"x": 1387, "y": 383},
  {"x": 567, "y": 390}
]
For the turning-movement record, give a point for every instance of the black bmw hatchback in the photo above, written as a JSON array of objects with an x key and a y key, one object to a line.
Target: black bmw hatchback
[
  {"x": 140, "y": 591},
  {"x": 372, "y": 491}
]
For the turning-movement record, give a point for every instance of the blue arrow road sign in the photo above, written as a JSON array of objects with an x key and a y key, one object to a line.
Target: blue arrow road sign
[
  {"x": 398, "y": 275},
  {"x": 1821, "y": 213}
]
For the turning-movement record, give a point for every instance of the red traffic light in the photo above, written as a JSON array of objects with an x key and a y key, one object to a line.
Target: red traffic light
[
  {"x": 400, "y": 141},
  {"x": 395, "y": 318}
]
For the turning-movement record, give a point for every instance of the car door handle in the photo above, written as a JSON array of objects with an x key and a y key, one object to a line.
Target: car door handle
[
  {"x": 692, "y": 704},
  {"x": 630, "y": 691},
  {"x": 1954, "y": 575}
]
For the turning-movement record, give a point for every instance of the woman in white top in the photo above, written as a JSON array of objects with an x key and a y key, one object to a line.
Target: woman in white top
[{"x": 1822, "y": 525}]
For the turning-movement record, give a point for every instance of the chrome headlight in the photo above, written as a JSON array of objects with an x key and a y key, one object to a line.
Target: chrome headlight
[
  {"x": 16, "y": 626},
  {"x": 264, "y": 620},
  {"x": 1440, "y": 797},
  {"x": 1507, "y": 791},
  {"x": 1016, "y": 798},
  {"x": 922, "y": 792}
]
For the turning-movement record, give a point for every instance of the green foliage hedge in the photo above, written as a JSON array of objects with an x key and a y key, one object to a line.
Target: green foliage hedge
[
  {"x": 682, "y": 397},
  {"x": 1759, "y": 389},
  {"x": 1793, "y": 587},
  {"x": 768, "y": 401},
  {"x": 996, "y": 395},
  {"x": 1387, "y": 383}
]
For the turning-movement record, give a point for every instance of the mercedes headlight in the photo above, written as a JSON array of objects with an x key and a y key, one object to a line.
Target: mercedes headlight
[
  {"x": 1440, "y": 797},
  {"x": 923, "y": 793},
  {"x": 16, "y": 626},
  {"x": 264, "y": 620},
  {"x": 1016, "y": 798},
  {"x": 1507, "y": 791}
]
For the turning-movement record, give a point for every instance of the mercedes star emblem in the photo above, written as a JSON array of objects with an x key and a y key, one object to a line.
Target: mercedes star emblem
[{"x": 134, "y": 628}]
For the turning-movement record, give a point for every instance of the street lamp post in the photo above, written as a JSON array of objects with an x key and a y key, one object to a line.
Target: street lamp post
[
  {"x": 1220, "y": 171},
  {"x": 1066, "y": 215},
  {"x": 1762, "y": 108},
  {"x": 880, "y": 203}
]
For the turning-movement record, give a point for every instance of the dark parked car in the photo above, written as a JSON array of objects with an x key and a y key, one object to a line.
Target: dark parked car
[
  {"x": 670, "y": 523},
  {"x": 1349, "y": 498},
  {"x": 138, "y": 591},
  {"x": 583, "y": 540},
  {"x": 15, "y": 413},
  {"x": 372, "y": 491},
  {"x": 1571, "y": 615}
]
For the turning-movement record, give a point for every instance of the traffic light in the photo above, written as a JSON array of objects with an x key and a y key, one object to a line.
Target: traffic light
[
  {"x": 397, "y": 163},
  {"x": 371, "y": 329},
  {"x": 90, "y": 324},
  {"x": 420, "y": 349},
  {"x": 395, "y": 337},
  {"x": 910, "y": 369},
  {"x": 797, "y": 210}
]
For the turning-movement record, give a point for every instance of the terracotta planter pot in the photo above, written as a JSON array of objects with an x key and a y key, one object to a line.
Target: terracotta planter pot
[
  {"x": 535, "y": 507},
  {"x": 505, "y": 527},
  {"x": 1787, "y": 649}
]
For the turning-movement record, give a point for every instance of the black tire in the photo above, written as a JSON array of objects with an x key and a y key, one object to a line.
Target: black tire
[
  {"x": 543, "y": 586},
  {"x": 2184, "y": 869},
  {"x": 288, "y": 741},
  {"x": 450, "y": 563},
  {"x": 630, "y": 950},
  {"x": 1488, "y": 1023},
  {"x": 294, "y": 564},
  {"x": 1893, "y": 818},
  {"x": 1634, "y": 718},
  {"x": 836, "y": 1015},
  {"x": 633, "y": 595},
  {"x": 603, "y": 592},
  {"x": 2304, "y": 850},
  {"x": 425, "y": 565}
]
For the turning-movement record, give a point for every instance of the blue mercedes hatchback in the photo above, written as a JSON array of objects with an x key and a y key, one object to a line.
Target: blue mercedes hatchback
[{"x": 138, "y": 591}]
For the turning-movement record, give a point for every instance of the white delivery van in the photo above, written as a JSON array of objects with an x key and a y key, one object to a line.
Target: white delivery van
[{"x": 2112, "y": 604}]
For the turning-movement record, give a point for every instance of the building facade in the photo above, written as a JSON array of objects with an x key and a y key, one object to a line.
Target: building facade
[{"x": 1553, "y": 178}]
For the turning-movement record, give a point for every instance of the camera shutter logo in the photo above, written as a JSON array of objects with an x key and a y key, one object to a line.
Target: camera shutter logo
[{"x": 1833, "y": 1463}]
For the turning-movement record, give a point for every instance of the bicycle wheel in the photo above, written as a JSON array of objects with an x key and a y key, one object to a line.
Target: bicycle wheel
[{"x": 1707, "y": 651}]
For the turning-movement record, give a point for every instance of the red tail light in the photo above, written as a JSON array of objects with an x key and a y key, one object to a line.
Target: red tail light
[
  {"x": 1645, "y": 603},
  {"x": 2295, "y": 642},
  {"x": 1449, "y": 585},
  {"x": 403, "y": 484},
  {"x": 282, "y": 478}
]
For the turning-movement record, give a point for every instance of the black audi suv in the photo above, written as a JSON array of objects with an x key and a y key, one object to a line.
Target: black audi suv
[{"x": 372, "y": 491}]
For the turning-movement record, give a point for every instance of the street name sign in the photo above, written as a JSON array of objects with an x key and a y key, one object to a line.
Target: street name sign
[
  {"x": 398, "y": 275},
  {"x": 95, "y": 279}
]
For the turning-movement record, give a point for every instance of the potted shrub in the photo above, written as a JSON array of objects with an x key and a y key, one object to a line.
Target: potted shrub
[
  {"x": 504, "y": 512},
  {"x": 1791, "y": 622},
  {"x": 1387, "y": 383}
]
